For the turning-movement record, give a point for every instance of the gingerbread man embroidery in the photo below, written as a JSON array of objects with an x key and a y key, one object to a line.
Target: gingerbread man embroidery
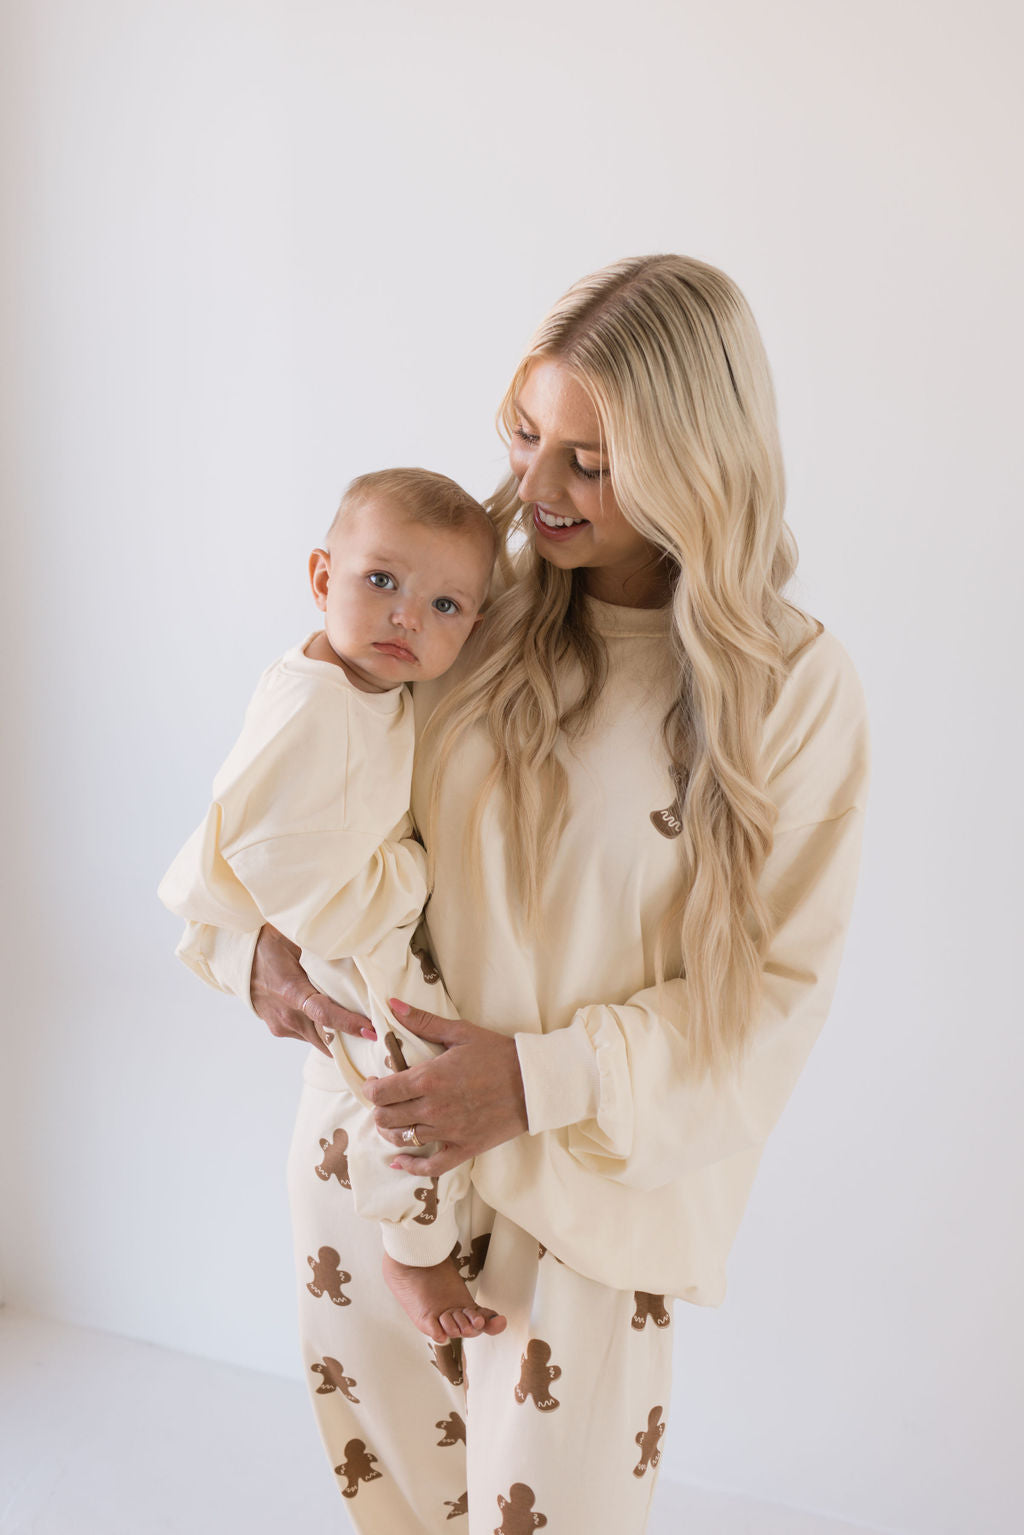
[
  {"x": 536, "y": 1375},
  {"x": 517, "y": 1517},
  {"x": 649, "y": 1440},
  {"x": 428, "y": 1196},
  {"x": 470, "y": 1265},
  {"x": 329, "y": 1276},
  {"x": 452, "y": 1428},
  {"x": 652, "y": 1306},
  {"x": 448, "y": 1359},
  {"x": 334, "y": 1378},
  {"x": 395, "y": 1059},
  {"x": 356, "y": 1467},
  {"x": 460, "y": 1506},
  {"x": 431, "y": 974},
  {"x": 335, "y": 1159},
  {"x": 670, "y": 822}
]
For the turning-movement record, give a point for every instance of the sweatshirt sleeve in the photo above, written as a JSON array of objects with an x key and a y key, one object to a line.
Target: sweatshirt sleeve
[
  {"x": 648, "y": 1117},
  {"x": 292, "y": 836}
]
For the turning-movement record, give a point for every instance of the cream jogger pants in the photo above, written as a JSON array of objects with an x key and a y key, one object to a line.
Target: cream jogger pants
[{"x": 556, "y": 1423}]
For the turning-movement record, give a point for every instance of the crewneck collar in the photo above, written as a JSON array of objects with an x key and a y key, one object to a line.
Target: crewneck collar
[{"x": 609, "y": 619}]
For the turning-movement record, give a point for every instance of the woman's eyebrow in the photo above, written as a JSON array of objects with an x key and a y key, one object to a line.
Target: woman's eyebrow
[{"x": 587, "y": 447}]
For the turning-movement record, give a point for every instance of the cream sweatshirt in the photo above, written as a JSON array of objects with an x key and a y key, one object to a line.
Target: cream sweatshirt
[
  {"x": 634, "y": 1171},
  {"x": 309, "y": 829}
]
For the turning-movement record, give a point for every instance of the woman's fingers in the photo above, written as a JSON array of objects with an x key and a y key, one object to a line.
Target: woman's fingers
[
  {"x": 285, "y": 998},
  {"x": 434, "y": 1166}
]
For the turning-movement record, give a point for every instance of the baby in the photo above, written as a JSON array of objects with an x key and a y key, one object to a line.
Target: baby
[{"x": 310, "y": 830}]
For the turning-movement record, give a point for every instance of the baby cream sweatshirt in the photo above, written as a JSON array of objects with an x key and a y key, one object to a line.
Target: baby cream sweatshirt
[{"x": 309, "y": 829}]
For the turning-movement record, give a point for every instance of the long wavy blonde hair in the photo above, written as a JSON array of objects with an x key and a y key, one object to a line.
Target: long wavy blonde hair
[{"x": 668, "y": 351}]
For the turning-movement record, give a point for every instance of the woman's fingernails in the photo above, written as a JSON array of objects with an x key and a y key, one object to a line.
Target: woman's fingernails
[
  {"x": 401, "y": 1008},
  {"x": 368, "y": 1033}
]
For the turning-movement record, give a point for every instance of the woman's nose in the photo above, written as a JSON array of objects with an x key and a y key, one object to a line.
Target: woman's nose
[{"x": 540, "y": 480}]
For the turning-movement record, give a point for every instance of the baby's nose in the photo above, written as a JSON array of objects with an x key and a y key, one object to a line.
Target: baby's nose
[{"x": 407, "y": 615}]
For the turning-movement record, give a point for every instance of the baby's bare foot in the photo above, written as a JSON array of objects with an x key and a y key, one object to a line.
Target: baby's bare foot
[{"x": 438, "y": 1302}]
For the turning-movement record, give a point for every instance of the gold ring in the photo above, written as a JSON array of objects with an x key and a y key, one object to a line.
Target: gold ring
[{"x": 409, "y": 1136}]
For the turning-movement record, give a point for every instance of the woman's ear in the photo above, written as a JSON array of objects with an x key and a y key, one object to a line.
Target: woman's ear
[{"x": 319, "y": 573}]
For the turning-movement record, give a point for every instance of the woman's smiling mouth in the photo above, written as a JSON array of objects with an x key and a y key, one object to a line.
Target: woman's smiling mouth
[{"x": 553, "y": 526}]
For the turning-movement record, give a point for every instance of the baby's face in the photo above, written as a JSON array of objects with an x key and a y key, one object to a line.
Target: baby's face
[{"x": 401, "y": 599}]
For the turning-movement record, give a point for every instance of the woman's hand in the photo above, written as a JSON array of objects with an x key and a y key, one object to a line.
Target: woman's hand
[
  {"x": 469, "y": 1099},
  {"x": 289, "y": 1004}
]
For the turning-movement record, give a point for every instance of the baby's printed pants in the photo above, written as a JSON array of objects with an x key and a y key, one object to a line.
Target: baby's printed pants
[{"x": 556, "y": 1423}]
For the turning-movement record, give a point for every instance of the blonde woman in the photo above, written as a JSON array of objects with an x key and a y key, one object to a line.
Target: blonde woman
[{"x": 641, "y": 791}]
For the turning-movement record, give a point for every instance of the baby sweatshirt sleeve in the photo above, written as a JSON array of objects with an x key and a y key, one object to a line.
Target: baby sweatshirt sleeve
[
  {"x": 293, "y": 834},
  {"x": 649, "y": 1118}
]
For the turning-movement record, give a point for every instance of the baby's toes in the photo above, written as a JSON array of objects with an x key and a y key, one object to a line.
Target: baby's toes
[{"x": 449, "y": 1321}]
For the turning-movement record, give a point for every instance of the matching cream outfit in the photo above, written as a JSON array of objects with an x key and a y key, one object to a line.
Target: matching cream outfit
[{"x": 629, "y": 1187}]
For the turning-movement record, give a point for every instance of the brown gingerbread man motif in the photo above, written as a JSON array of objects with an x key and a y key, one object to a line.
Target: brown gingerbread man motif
[
  {"x": 334, "y": 1378},
  {"x": 470, "y": 1265},
  {"x": 460, "y": 1506},
  {"x": 517, "y": 1516},
  {"x": 649, "y": 1440},
  {"x": 542, "y": 1250},
  {"x": 329, "y": 1276},
  {"x": 428, "y": 1196},
  {"x": 448, "y": 1359},
  {"x": 652, "y": 1306},
  {"x": 536, "y": 1376},
  {"x": 335, "y": 1159},
  {"x": 453, "y": 1430},
  {"x": 395, "y": 1059},
  {"x": 356, "y": 1467},
  {"x": 431, "y": 974},
  {"x": 670, "y": 822}
]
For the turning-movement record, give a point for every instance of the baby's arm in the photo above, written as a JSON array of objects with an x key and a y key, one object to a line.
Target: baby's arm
[{"x": 286, "y": 840}]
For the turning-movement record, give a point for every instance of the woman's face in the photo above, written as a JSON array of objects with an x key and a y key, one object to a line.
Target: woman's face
[{"x": 557, "y": 456}]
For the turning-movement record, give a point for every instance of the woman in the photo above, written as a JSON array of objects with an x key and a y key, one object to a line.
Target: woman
[{"x": 642, "y": 792}]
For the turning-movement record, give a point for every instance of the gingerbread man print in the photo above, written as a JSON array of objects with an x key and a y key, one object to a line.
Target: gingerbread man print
[
  {"x": 517, "y": 1516},
  {"x": 395, "y": 1059},
  {"x": 329, "y": 1276},
  {"x": 334, "y": 1378},
  {"x": 649, "y": 1441},
  {"x": 431, "y": 974},
  {"x": 652, "y": 1306},
  {"x": 470, "y": 1265},
  {"x": 448, "y": 1359},
  {"x": 356, "y": 1467},
  {"x": 536, "y": 1376},
  {"x": 335, "y": 1159},
  {"x": 460, "y": 1506},
  {"x": 453, "y": 1430},
  {"x": 428, "y": 1197}
]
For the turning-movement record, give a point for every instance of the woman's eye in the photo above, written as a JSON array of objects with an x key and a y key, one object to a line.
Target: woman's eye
[
  {"x": 525, "y": 435},
  {"x": 381, "y": 580},
  {"x": 588, "y": 474},
  {"x": 446, "y": 605}
]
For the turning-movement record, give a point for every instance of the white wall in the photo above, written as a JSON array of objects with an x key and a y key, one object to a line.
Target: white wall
[{"x": 255, "y": 248}]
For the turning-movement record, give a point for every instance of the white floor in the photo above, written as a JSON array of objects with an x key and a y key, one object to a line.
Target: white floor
[{"x": 103, "y": 1436}]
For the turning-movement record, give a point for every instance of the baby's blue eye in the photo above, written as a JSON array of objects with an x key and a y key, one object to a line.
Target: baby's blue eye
[
  {"x": 381, "y": 580},
  {"x": 446, "y": 605}
]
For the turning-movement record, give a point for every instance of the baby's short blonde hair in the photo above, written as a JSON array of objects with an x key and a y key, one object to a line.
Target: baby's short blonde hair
[{"x": 425, "y": 497}]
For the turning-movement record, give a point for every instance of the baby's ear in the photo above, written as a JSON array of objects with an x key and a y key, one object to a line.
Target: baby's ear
[{"x": 319, "y": 574}]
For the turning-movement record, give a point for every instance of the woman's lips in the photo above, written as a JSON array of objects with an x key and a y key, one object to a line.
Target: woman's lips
[
  {"x": 558, "y": 534},
  {"x": 392, "y": 648}
]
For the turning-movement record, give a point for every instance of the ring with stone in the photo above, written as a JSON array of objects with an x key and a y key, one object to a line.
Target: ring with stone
[{"x": 409, "y": 1136}]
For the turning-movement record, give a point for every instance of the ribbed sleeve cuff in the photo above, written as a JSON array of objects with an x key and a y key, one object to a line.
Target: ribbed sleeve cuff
[
  {"x": 421, "y": 1246},
  {"x": 560, "y": 1077}
]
